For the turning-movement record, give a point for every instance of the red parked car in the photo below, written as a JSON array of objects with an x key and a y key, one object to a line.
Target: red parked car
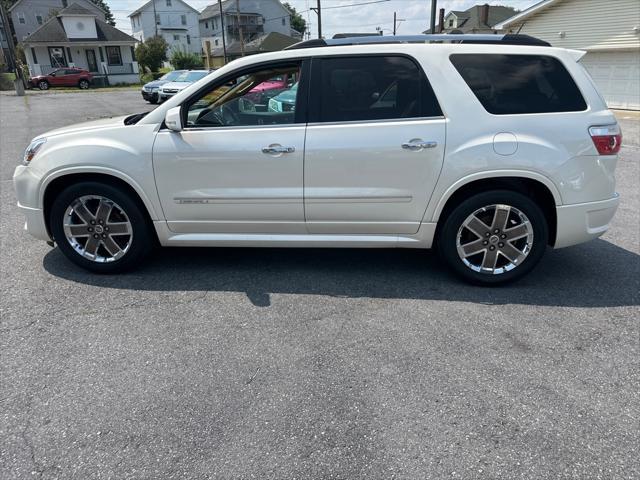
[{"x": 63, "y": 77}]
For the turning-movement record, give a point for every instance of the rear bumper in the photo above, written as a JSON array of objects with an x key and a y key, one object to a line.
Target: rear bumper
[{"x": 582, "y": 222}]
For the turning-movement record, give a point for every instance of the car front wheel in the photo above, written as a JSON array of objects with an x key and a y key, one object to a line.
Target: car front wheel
[
  {"x": 83, "y": 84},
  {"x": 100, "y": 227},
  {"x": 494, "y": 237},
  {"x": 43, "y": 85}
]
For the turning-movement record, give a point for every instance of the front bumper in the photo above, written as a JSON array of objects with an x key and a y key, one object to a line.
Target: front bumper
[
  {"x": 165, "y": 96},
  {"x": 27, "y": 185},
  {"x": 150, "y": 96},
  {"x": 582, "y": 222},
  {"x": 34, "y": 222}
]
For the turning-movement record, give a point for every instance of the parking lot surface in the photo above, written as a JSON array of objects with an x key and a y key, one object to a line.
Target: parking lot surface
[{"x": 345, "y": 364}]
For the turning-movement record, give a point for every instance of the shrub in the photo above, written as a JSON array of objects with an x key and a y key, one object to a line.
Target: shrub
[
  {"x": 185, "y": 61},
  {"x": 152, "y": 53}
]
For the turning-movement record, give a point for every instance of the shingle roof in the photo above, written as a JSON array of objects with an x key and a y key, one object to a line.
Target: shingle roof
[
  {"x": 75, "y": 9},
  {"x": 53, "y": 30},
  {"x": 471, "y": 17},
  {"x": 269, "y": 42}
]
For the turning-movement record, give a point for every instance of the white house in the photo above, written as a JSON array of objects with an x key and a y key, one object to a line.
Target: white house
[
  {"x": 174, "y": 20},
  {"x": 76, "y": 37},
  {"x": 256, "y": 19},
  {"x": 28, "y": 15},
  {"x": 609, "y": 31}
]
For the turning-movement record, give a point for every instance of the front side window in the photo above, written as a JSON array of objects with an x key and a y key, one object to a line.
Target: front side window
[
  {"x": 264, "y": 97},
  {"x": 519, "y": 84},
  {"x": 114, "y": 57},
  {"x": 374, "y": 88}
]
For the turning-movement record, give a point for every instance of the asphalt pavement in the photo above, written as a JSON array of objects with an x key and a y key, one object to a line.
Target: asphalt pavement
[{"x": 312, "y": 364}]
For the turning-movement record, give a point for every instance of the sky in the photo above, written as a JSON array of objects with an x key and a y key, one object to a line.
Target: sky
[{"x": 361, "y": 18}]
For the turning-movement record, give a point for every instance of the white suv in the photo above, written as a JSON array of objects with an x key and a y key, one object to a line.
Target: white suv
[{"x": 488, "y": 147}]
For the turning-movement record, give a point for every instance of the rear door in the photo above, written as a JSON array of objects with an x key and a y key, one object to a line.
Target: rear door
[{"x": 374, "y": 145}]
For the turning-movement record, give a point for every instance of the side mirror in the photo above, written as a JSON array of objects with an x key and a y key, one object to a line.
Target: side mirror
[{"x": 173, "y": 119}]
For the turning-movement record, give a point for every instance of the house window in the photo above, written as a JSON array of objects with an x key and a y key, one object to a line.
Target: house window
[
  {"x": 183, "y": 19},
  {"x": 21, "y": 18},
  {"x": 188, "y": 39},
  {"x": 114, "y": 57},
  {"x": 216, "y": 42},
  {"x": 215, "y": 23},
  {"x": 206, "y": 25},
  {"x": 39, "y": 19},
  {"x": 168, "y": 3},
  {"x": 176, "y": 38},
  {"x": 65, "y": 4},
  {"x": 451, "y": 23},
  {"x": 284, "y": 22},
  {"x": 157, "y": 19}
]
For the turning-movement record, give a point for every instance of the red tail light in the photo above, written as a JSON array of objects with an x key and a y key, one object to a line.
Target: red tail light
[{"x": 606, "y": 138}]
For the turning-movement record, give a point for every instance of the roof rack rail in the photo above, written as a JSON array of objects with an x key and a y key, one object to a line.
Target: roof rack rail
[{"x": 507, "y": 39}]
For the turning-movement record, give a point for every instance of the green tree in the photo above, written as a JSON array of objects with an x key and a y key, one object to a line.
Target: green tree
[
  {"x": 152, "y": 53},
  {"x": 297, "y": 22},
  {"x": 108, "y": 16},
  {"x": 185, "y": 61}
]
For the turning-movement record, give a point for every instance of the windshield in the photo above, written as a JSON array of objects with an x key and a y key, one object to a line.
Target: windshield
[
  {"x": 172, "y": 76},
  {"x": 190, "y": 76}
]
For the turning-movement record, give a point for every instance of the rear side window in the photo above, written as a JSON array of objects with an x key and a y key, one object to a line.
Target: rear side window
[
  {"x": 515, "y": 84},
  {"x": 373, "y": 88}
]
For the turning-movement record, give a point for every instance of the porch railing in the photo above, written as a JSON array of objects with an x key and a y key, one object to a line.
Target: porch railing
[
  {"x": 120, "y": 69},
  {"x": 47, "y": 69}
]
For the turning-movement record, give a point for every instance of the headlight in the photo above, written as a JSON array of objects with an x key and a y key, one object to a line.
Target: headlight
[{"x": 32, "y": 149}]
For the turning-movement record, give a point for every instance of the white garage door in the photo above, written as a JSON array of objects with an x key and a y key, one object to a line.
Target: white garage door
[{"x": 617, "y": 75}]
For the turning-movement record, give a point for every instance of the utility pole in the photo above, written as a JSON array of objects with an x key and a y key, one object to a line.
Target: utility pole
[
  {"x": 239, "y": 27},
  {"x": 19, "y": 82},
  {"x": 224, "y": 43},
  {"x": 318, "y": 11},
  {"x": 434, "y": 10},
  {"x": 394, "y": 24},
  {"x": 155, "y": 16}
]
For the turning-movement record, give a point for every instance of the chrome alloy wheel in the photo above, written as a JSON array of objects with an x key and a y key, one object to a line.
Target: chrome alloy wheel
[
  {"x": 494, "y": 239},
  {"x": 97, "y": 228}
]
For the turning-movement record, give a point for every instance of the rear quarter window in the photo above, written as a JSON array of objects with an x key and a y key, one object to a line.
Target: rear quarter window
[{"x": 519, "y": 84}]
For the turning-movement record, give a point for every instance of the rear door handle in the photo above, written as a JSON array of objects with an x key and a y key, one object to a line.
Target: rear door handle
[
  {"x": 418, "y": 145},
  {"x": 277, "y": 149}
]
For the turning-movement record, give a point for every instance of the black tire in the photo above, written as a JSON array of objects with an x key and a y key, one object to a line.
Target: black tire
[
  {"x": 43, "y": 85},
  {"x": 448, "y": 234},
  {"x": 142, "y": 240},
  {"x": 83, "y": 84}
]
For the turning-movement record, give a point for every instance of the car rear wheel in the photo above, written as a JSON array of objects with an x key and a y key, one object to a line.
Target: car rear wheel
[
  {"x": 494, "y": 237},
  {"x": 100, "y": 227},
  {"x": 83, "y": 84},
  {"x": 43, "y": 85}
]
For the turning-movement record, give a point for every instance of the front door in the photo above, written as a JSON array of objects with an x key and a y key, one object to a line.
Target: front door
[
  {"x": 374, "y": 146},
  {"x": 237, "y": 166},
  {"x": 91, "y": 61}
]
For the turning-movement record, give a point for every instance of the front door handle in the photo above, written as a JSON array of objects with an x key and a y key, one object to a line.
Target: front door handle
[
  {"x": 418, "y": 145},
  {"x": 277, "y": 149}
]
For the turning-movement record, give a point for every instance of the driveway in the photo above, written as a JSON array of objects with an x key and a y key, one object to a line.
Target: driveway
[{"x": 345, "y": 364}]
